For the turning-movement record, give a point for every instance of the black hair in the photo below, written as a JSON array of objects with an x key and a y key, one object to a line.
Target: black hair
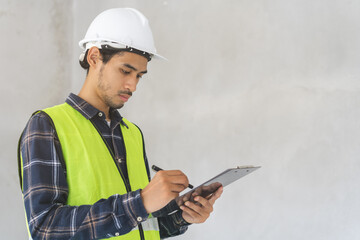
[
  {"x": 107, "y": 52},
  {"x": 106, "y": 55}
]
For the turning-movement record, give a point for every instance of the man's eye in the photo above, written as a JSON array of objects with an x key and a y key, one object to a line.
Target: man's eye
[
  {"x": 139, "y": 76},
  {"x": 124, "y": 71}
]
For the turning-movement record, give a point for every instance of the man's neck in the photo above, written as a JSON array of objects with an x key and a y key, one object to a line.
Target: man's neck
[{"x": 95, "y": 101}]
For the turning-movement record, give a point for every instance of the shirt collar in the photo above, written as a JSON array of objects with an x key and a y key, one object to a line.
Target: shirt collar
[{"x": 89, "y": 111}]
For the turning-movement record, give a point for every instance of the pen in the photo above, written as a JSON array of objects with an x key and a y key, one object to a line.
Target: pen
[{"x": 156, "y": 169}]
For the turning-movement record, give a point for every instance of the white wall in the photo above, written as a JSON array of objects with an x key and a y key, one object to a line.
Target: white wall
[{"x": 270, "y": 83}]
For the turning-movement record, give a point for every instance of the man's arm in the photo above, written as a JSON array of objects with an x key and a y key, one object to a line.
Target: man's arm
[{"x": 45, "y": 192}]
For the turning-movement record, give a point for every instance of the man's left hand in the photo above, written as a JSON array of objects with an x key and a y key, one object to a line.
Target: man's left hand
[{"x": 200, "y": 211}]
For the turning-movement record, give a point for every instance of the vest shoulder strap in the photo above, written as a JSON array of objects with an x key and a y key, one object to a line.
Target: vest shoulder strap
[{"x": 19, "y": 158}]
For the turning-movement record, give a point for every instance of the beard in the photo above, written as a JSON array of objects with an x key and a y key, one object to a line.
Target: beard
[
  {"x": 109, "y": 102},
  {"x": 104, "y": 88}
]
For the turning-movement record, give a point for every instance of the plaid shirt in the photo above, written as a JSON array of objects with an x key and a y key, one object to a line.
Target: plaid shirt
[{"x": 45, "y": 189}]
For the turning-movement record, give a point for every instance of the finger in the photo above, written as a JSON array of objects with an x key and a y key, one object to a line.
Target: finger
[
  {"x": 216, "y": 195},
  {"x": 181, "y": 180},
  {"x": 191, "y": 212},
  {"x": 186, "y": 197},
  {"x": 205, "y": 203},
  {"x": 163, "y": 177},
  {"x": 177, "y": 188},
  {"x": 168, "y": 173},
  {"x": 208, "y": 197},
  {"x": 202, "y": 211},
  {"x": 173, "y": 172}
]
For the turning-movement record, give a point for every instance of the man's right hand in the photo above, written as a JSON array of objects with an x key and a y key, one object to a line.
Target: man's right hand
[{"x": 164, "y": 187}]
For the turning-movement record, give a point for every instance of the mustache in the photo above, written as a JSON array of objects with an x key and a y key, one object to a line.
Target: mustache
[{"x": 125, "y": 92}]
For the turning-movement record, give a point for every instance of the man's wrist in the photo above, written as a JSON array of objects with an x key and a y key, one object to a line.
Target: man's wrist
[{"x": 179, "y": 220}]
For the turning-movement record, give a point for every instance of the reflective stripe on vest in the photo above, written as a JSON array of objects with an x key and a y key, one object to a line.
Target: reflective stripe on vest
[{"x": 92, "y": 173}]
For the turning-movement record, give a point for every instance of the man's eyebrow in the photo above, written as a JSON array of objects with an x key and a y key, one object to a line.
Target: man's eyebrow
[{"x": 133, "y": 68}]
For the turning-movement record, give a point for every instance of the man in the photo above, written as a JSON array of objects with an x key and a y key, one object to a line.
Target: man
[{"x": 83, "y": 167}]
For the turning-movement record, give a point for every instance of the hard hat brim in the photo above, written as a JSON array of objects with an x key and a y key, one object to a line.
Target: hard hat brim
[{"x": 86, "y": 44}]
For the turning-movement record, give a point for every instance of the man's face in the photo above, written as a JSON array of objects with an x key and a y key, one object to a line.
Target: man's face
[{"x": 118, "y": 78}]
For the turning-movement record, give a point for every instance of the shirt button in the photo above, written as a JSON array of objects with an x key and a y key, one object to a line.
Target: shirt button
[
  {"x": 119, "y": 160},
  {"x": 139, "y": 219},
  {"x": 100, "y": 114},
  {"x": 117, "y": 234}
]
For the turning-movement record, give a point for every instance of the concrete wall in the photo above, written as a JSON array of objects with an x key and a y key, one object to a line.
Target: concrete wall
[
  {"x": 35, "y": 48},
  {"x": 269, "y": 83}
]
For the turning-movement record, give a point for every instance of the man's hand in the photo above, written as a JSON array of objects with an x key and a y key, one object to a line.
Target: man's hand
[
  {"x": 200, "y": 211},
  {"x": 164, "y": 187}
]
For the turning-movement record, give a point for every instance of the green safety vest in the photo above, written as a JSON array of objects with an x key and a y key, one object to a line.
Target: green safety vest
[{"x": 92, "y": 173}]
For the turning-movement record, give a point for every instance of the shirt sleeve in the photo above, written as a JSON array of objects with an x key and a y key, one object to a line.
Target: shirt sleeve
[
  {"x": 172, "y": 225},
  {"x": 45, "y": 193}
]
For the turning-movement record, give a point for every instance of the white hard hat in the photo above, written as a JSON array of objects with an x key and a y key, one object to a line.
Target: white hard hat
[{"x": 121, "y": 28}]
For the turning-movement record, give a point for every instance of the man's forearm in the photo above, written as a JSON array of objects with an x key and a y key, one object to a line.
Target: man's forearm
[{"x": 108, "y": 217}]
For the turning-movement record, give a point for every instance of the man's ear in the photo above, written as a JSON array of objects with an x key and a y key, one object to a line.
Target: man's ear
[{"x": 94, "y": 57}]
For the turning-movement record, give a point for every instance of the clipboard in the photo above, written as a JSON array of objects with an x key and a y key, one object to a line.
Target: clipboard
[
  {"x": 209, "y": 187},
  {"x": 206, "y": 189}
]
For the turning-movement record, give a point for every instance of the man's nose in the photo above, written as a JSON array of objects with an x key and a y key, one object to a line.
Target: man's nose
[{"x": 131, "y": 83}]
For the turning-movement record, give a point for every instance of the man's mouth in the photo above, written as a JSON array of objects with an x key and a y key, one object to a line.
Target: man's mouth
[{"x": 124, "y": 97}]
